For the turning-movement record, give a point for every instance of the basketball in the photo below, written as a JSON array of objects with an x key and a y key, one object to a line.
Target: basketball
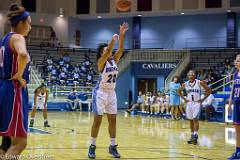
[{"x": 123, "y": 5}]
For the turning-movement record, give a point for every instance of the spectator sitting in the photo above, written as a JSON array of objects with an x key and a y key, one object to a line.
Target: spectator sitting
[
  {"x": 76, "y": 68},
  {"x": 91, "y": 71},
  {"x": 83, "y": 68},
  {"x": 89, "y": 79},
  {"x": 50, "y": 67},
  {"x": 148, "y": 100},
  {"x": 202, "y": 75},
  {"x": 72, "y": 100},
  {"x": 209, "y": 79},
  {"x": 76, "y": 78},
  {"x": 140, "y": 103},
  {"x": 154, "y": 105},
  {"x": 66, "y": 58},
  {"x": 87, "y": 62},
  {"x": 62, "y": 78}
]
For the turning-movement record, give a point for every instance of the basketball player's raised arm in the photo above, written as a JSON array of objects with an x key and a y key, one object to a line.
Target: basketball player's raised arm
[
  {"x": 46, "y": 98},
  {"x": 123, "y": 28},
  {"x": 180, "y": 92},
  {"x": 19, "y": 45},
  {"x": 207, "y": 89},
  {"x": 107, "y": 54}
]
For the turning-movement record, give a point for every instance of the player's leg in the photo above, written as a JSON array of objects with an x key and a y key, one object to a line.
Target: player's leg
[
  {"x": 95, "y": 128},
  {"x": 94, "y": 133},
  {"x": 189, "y": 114},
  {"x": 6, "y": 143},
  {"x": 181, "y": 109},
  {"x": 196, "y": 114},
  {"x": 45, "y": 117},
  {"x": 147, "y": 108},
  {"x": 98, "y": 107},
  {"x": 156, "y": 108},
  {"x": 151, "y": 109},
  {"x": 236, "y": 120},
  {"x": 172, "y": 111},
  {"x": 70, "y": 104},
  {"x": 33, "y": 113},
  {"x": 17, "y": 146},
  {"x": 142, "y": 108},
  {"x": 112, "y": 133},
  {"x": 133, "y": 107},
  {"x": 177, "y": 112},
  {"x": 111, "y": 110},
  {"x": 112, "y": 127}
]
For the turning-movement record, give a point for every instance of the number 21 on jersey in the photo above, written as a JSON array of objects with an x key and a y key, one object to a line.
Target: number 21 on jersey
[{"x": 111, "y": 78}]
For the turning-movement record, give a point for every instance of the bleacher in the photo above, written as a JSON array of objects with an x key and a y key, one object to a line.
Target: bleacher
[
  {"x": 58, "y": 94},
  {"x": 207, "y": 58},
  {"x": 38, "y": 53}
]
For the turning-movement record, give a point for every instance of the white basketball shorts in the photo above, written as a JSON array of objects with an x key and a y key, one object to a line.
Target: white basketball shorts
[
  {"x": 104, "y": 101},
  {"x": 193, "y": 110}
]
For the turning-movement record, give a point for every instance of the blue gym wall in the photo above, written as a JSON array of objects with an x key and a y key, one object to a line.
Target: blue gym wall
[
  {"x": 125, "y": 83},
  {"x": 97, "y": 31},
  {"x": 200, "y": 28},
  {"x": 157, "y": 32}
]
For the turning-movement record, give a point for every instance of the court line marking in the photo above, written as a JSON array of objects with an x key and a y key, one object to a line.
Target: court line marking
[{"x": 153, "y": 150}]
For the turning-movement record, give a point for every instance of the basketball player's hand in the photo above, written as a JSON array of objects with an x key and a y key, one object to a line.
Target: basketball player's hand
[
  {"x": 123, "y": 28},
  {"x": 115, "y": 37},
  {"x": 22, "y": 82}
]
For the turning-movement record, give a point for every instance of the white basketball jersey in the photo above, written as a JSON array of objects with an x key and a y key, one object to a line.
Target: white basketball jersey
[
  {"x": 108, "y": 76},
  {"x": 41, "y": 98},
  {"x": 193, "y": 91}
]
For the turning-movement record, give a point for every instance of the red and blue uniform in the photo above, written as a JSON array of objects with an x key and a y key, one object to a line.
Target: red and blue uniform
[
  {"x": 236, "y": 98},
  {"x": 13, "y": 99}
]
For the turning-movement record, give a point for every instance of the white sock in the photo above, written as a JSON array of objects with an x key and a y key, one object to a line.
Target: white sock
[
  {"x": 45, "y": 120},
  {"x": 195, "y": 133},
  {"x": 113, "y": 141},
  {"x": 32, "y": 119},
  {"x": 93, "y": 141}
]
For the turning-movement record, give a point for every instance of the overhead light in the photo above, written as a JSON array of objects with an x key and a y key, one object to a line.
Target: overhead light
[
  {"x": 61, "y": 12},
  {"x": 139, "y": 15},
  {"x": 229, "y": 10},
  {"x": 99, "y": 16},
  {"x": 182, "y": 13}
]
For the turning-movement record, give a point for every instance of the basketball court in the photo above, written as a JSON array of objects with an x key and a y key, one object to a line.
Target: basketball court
[{"x": 138, "y": 138}]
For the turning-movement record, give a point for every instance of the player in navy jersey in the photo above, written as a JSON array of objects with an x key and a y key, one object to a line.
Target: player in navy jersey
[
  {"x": 104, "y": 96},
  {"x": 14, "y": 75},
  {"x": 235, "y": 100}
]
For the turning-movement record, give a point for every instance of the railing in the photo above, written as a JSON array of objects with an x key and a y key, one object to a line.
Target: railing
[
  {"x": 225, "y": 82},
  {"x": 65, "y": 90},
  {"x": 205, "y": 42},
  {"x": 182, "y": 65},
  {"x": 34, "y": 77}
]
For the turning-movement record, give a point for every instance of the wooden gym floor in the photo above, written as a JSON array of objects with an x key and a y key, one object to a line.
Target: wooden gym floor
[{"x": 138, "y": 138}]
